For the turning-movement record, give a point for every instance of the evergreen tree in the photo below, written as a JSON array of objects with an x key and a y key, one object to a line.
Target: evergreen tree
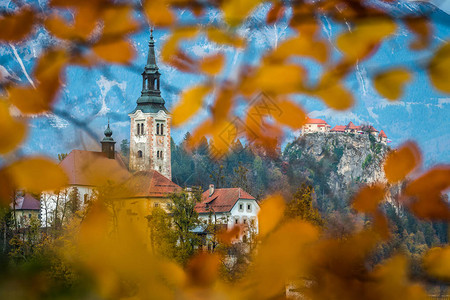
[{"x": 301, "y": 206}]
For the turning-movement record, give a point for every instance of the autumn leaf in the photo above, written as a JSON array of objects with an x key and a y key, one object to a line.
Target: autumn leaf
[
  {"x": 275, "y": 13},
  {"x": 278, "y": 78},
  {"x": 422, "y": 28},
  {"x": 272, "y": 209},
  {"x": 335, "y": 95},
  {"x": 292, "y": 114},
  {"x": 390, "y": 84},
  {"x": 436, "y": 262},
  {"x": 190, "y": 102},
  {"x": 235, "y": 11},
  {"x": 12, "y": 131},
  {"x": 170, "y": 49},
  {"x": 212, "y": 64},
  {"x": 118, "y": 51},
  {"x": 158, "y": 12},
  {"x": 439, "y": 68},
  {"x": 301, "y": 46},
  {"x": 360, "y": 42},
  {"x": 223, "y": 37},
  {"x": 37, "y": 174},
  {"x": 48, "y": 72},
  {"x": 118, "y": 21},
  {"x": 228, "y": 236},
  {"x": 203, "y": 269},
  {"x": 368, "y": 198},
  {"x": 401, "y": 162},
  {"x": 17, "y": 26}
]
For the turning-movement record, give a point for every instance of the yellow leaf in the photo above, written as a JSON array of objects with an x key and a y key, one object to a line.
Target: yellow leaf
[
  {"x": 118, "y": 21},
  {"x": 439, "y": 68},
  {"x": 37, "y": 174},
  {"x": 16, "y": 27},
  {"x": 422, "y": 28},
  {"x": 213, "y": 64},
  {"x": 224, "y": 38},
  {"x": 335, "y": 95},
  {"x": 303, "y": 46},
  {"x": 278, "y": 78},
  {"x": 60, "y": 28},
  {"x": 119, "y": 51},
  {"x": 291, "y": 115},
  {"x": 364, "y": 38},
  {"x": 203, "y": 269},
  {"x": 272, "y": 210},
  {"x": 368, "y": 198},
  {"x": 12, "y": 131},
  {"x": 390, "y": 83},
  {"x": 171, "y": 48},
  {"x": 159, "y": 13},
  {"x": 190, "y": 102},
  {"x": 48, "y": 72},
  {"x": 235, "y": 11},
  {"x": 437, "y": 262},
  {"x": 401, "y": 162}
]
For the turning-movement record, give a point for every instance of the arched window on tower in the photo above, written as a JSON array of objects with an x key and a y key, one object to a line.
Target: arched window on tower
[
  {"x": 162, "y": 129},
  {"x": 139, "y": 153},
  {"x": 157, "y": 154},
  {"x": 161, "y": 154},
  {"x": 157, "y": 128},
  {"x": 138, "y": 129},
  {"x": 142, "y": 128}
]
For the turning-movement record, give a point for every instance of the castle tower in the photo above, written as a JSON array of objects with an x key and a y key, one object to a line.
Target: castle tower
[
  {"x": 150, "y": 123},
  {"x": 108, "y": 143}
]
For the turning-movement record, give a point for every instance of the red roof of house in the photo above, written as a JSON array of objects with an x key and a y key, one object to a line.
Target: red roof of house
[
  {"x": 27, "y": 202},
  {"x": 372, "y": 129},
  {"x": 148, "y": 184},
  {"x": 382, "y": 134},
  {"x": 352, "y": 126},
  {"x": 93, "y": 168},
  {"x": 339, "y": 128},
  {"x": 315, "y": 121},
  {"x": 222, "y": 200}
]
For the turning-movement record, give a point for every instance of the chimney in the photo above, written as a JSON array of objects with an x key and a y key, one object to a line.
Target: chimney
[{"x": 211, "y": 189}]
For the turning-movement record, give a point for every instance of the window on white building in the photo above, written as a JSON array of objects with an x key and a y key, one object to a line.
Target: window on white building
[
  {"x": 241, "y": 206},
  {"x": 139, "y": 153}
]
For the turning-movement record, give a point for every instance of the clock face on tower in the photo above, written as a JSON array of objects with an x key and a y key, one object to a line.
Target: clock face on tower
[{"x": 160, "y": 141}]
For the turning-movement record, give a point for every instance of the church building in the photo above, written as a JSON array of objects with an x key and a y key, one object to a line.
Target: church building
[{"x": 150, "y": 123}]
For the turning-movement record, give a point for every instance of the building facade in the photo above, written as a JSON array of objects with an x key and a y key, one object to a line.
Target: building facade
[
  {"x": 315, "y": 125},
  {"x": 150, "y": 124}
]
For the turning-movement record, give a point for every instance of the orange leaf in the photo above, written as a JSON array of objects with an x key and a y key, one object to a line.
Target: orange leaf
[
  {"x": 401, "y": 162},
  {"x": 12, "y": 131},
  {"x": 272, "y": 210},
  {"x": 235, "y": 11},
  {"x": 364, "y": 38},
  {"x": 275, "y": 13},
  {"x": 303, "y": 46},
  {"x": 368, "y": 198},
  {"x": 119, "y": 51},
  {"x": 7, "y": 189},
  {"x": 228, "y": 236},
  {"x": 213, "y": 64},
  {"x": 118, "y": 21},
  {"x": 159, "y": 13},
  {"x": 170, "y": 48},
  {"x": 279, "y": 78},
  {"x": 203, "y": 269},
  {"x": 390, "y": 83},
  {"x": 439, "y": 68},
  {"x": 335, "y": 95},
  {"x": 37, "y": 174},
  {"x": 224, "y": 38},
  {"x": 291, "y": 115},
  {"x": 16, "y": 27},
  {"x": 48, "y": 72},
  {"x": 427, "y": 192},
  {"x": 422, "y": 28},
  {"x": 190, "y": 102}
]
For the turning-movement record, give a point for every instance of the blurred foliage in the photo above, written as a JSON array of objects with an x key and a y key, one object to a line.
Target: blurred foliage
[{"x": 91, "y": 259}]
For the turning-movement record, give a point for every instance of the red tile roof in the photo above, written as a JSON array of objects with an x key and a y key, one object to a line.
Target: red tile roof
[
  {"x": 27, "y": 202},
  {"x": 382, "y": 134},
  {"x": 222, "y": 200},
  {"x": 338, "y": 128},
  {"x": 315, "y": 121},
  {"x": 149, "y": 184},
  {"x": 92, "y": 168},
  {"x": 372, "y": 129},
  {"x": 352, "y": 126}
]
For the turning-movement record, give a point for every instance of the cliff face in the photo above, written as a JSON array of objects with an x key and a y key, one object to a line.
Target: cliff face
[{"x": 335, "y": 164}]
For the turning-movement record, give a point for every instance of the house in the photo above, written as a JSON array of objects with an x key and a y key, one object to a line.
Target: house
[
  {"x": 315, "y": 125},
  {"x": 338, "y": 128},
  {"x": 382, "y": 137},
  {"x": 25, "y": 208},
  {"x": 352, "y": 128},
  {"x": 229, "y": 207}
]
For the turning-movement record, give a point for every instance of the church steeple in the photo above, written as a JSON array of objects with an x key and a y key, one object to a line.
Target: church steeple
[
  {"x": 108, "y": 143},
  {"x": 150, "y": 99}
]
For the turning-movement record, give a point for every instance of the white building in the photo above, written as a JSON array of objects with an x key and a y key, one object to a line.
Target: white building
[
  {"x": 229, "y": 207},
  {"x": 315, "y": 125}
]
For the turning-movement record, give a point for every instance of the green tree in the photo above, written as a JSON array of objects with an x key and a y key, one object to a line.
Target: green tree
[
  {"x": 61, "y": 156},
  {"x": 125, "y": 148},
  {"x": 301, "y": 206},
  {"x": 74, "y": 200}
]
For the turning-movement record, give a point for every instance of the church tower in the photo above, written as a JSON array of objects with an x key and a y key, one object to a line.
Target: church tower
[{"x": 150, "y": 123}]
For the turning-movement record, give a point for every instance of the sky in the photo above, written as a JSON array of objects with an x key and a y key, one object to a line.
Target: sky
[{"x": 93, "y": 96}]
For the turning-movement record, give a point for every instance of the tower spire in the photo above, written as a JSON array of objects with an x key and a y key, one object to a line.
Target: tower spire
[
  {"x": 108, "y": 143},
  {"x": 151, "y": 58}
]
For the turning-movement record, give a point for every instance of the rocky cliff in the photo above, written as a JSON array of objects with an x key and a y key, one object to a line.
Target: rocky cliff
[{"x": 336, "y": 164}]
